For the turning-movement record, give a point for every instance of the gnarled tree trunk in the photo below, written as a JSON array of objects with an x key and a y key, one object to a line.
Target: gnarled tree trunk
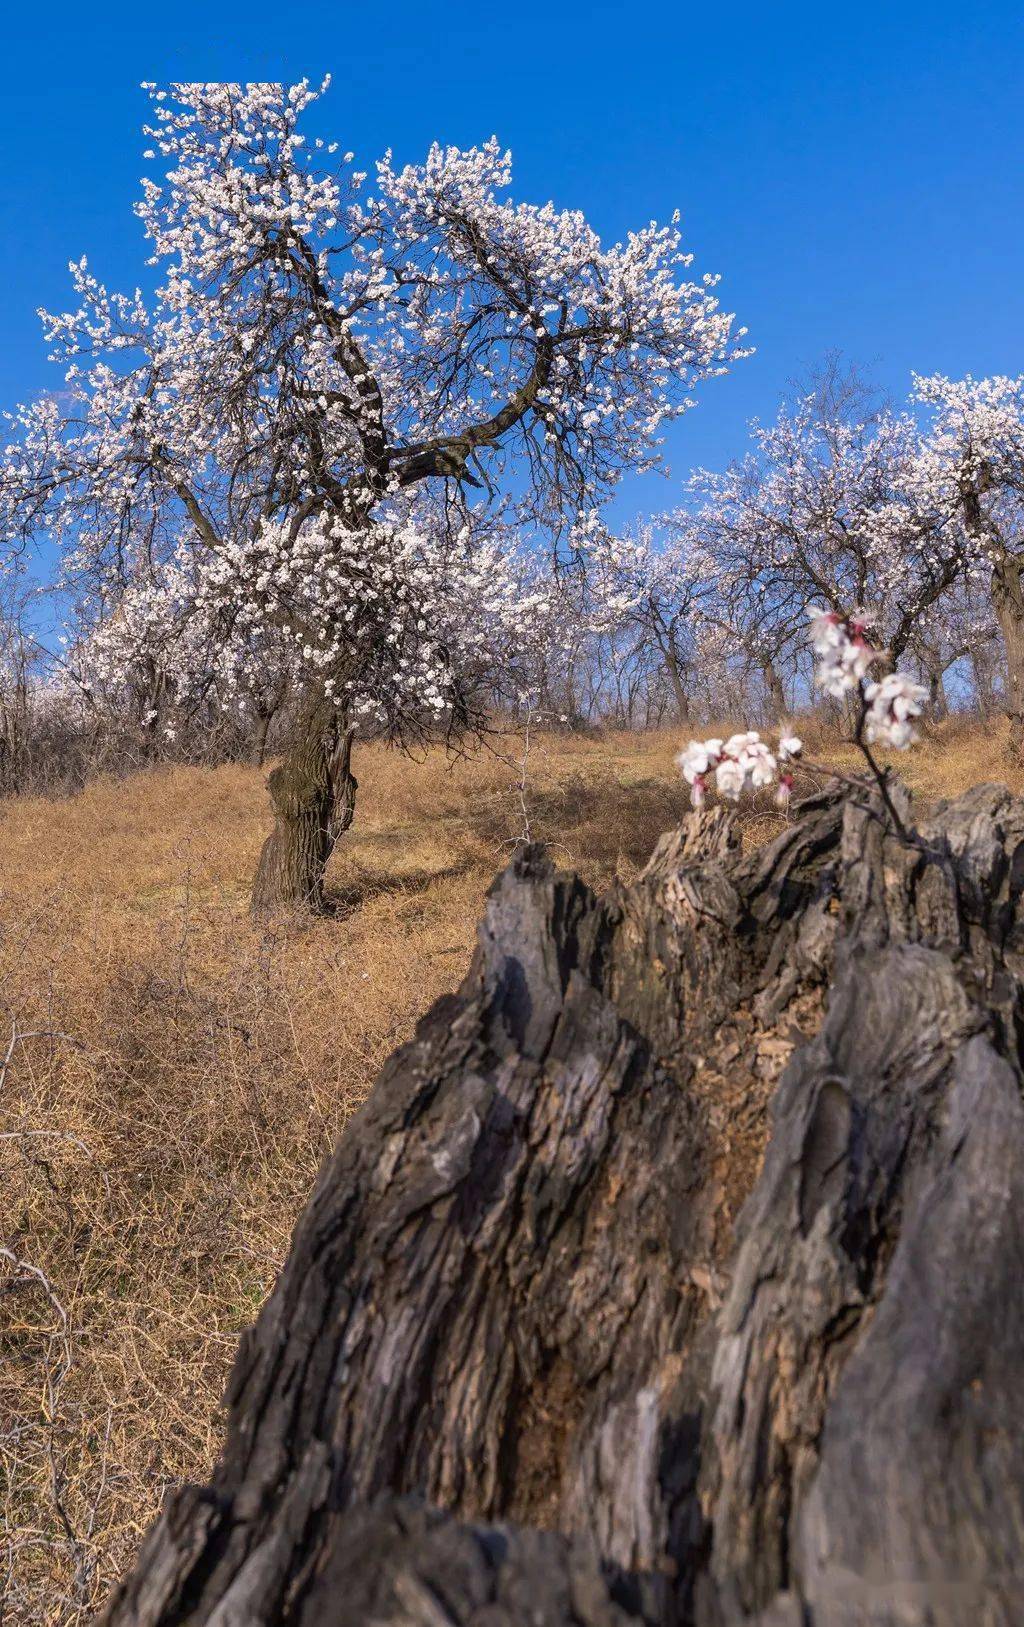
[
  {"x": 1008, "y": 603},
  {"x": 775, "y": 691},
  {"x": 675, "y": 677},
  {"x": 313, "y": 792},
  {"x": 566, "y": 1336},
  {"x": 1007, "y": 591},
  {"x": 938, "y": 704}
]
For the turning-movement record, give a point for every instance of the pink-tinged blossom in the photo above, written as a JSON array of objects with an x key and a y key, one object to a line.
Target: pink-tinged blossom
[
  {"x": 843, "y": 668},
  {"x": 746, "y": 762},
  {"x": 731, "y": 778},
  {"x": 841, "y": 644},
  {"x": 760, "y": 764},
  {"x": 785, "y": 791},
  {"x": 827, "y": 630},
  {"x": 743, "y": 762}
]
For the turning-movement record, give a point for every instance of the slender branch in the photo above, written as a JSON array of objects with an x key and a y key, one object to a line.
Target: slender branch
[{"x": 881, "y": 775}]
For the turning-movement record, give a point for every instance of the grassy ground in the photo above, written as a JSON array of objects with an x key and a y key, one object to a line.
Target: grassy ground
[{"x": 176, "y": 1075}]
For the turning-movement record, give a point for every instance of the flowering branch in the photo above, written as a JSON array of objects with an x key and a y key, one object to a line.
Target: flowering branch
[
  {"x": 886, "y": 713},
  {"x": 743, "y": 762}
]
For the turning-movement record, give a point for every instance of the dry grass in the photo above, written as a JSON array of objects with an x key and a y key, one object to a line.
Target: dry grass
[
  {"x": 176, "y": 1076},
  {"x": 958, "y": 753}
]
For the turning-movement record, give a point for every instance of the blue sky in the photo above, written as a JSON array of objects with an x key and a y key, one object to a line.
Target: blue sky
[{"x": 854, "y": 172}]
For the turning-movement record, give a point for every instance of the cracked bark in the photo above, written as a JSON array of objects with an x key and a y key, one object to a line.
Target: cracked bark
[
  {"x": 565, "y": 1337},
  {"x": 313, "y": 792}
]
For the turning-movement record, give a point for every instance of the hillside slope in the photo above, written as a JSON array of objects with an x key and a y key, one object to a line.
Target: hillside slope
[{"x": 176, "y": 1078}]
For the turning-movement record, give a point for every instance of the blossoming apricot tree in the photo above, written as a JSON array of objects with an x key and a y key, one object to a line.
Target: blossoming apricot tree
[
  {"x": 827, "y": 506},
  {"x": 338, "y": 395},
  {"x": 971, "y": 464},
  {"x": 656, "y": 579}
]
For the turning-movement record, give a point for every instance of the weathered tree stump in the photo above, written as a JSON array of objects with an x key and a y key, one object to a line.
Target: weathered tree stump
[{"x": 567, "y": 1336}]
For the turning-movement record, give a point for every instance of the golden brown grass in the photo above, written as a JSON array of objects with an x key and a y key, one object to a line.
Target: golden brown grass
[{"x": 176, "y": 1076}]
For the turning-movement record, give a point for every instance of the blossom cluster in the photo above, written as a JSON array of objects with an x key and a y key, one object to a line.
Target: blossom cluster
[
  {"x": 743, "y": 762},
  {"x": 892, "y": 705},
  {"x": 844, "y": 659},
  {"x": 889, "y": 707},
  {"x": 841, "y": 645},
  {"x": 398, "y": 624}
]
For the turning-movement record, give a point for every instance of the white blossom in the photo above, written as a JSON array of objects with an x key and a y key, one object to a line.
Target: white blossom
[
  {"x": 698, "y": 758},
  {"x": 893, "y": 703},
  {"x": 745, "y": 762},
  {"x": 319, "y": 441},
  {"x": 843, "y": 667}
]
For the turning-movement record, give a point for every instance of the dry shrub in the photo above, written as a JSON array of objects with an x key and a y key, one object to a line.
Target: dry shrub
[{"x": 176, "y": 1075}]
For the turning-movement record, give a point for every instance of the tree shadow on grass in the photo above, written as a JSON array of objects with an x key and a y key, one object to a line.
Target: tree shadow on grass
[
  {"x": 347, "y": 898},
  {"x": 592, "y": 823}
]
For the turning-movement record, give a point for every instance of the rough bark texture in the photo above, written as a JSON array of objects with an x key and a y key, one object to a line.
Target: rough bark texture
[
  {"x": 259, "y": 737},
  {"x": 679, "y": 690},
  {"x": 1008, "y": 603},
  {"x": 774, "y": 688},
  {"x": 313, "y": 792},
  {"x": 562, "y": 1340}
]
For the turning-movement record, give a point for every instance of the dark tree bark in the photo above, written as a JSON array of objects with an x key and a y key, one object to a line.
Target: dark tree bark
[
  {"x": 775, "y": 691},
  {"x": 259, "y": 737},
  {"x": 937, "y": 699},
  {"x": 682, "y": 699},
  {"x": 560, "y": 1341},
  {"x": 313, "y": 792},
  {"x": 1007, "y": 589},
  {"x": 673, "y": 667},
  {"x": 1008, "y": 603}
]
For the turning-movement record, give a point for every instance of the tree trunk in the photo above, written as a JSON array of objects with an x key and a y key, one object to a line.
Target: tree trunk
[
  {"x": 682, "y": 699},
  {"x": 259, "y": 738},
  {"x": 937, "y": 702},
  {"x": 986, "y": 674},
  {"x": 774, "y": 688},
  {"x": 566, "y": 1338},
  {"x": 1008, "y": 603},
  {"x": 314, "y": 796},
  {"x": 666, "y": 643}
]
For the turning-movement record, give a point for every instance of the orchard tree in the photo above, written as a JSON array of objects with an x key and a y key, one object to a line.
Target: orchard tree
[
  {"x": 655, "y": 579},
  {"x": 339, "y": 392},
  {"x": 555, "y": 677},
  {"x": 826, "y": 509},
  {"x": 19, "y": 661},
  {"x": 958, "y": 632},
  {"x": 971, "y": 463}
]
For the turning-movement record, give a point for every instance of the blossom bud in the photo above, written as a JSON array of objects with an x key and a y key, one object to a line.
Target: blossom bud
[{"x": 785, "y": 791}]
